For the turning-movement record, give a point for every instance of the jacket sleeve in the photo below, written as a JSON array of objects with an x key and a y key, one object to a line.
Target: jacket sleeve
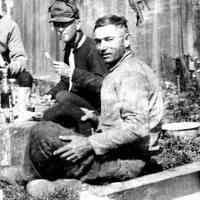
[
  {"x": 133, "y": 122},
  {"x": 87, "y": 80},
  {"x": 17, "y": 52},
  {"x": 63, "y": 84},
  {"x": 91, "y": 80}
]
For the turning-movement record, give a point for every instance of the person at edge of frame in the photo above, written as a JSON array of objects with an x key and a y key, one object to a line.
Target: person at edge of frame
[{"x": 12, "y": 51}]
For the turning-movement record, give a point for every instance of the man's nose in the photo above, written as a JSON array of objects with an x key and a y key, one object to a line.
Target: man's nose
[{"x": 60, "y": 30}]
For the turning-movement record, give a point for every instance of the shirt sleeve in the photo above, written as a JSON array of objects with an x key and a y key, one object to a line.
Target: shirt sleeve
[
  {"x": 133, "y": 112},
  {"x": 17, "y": 52}
]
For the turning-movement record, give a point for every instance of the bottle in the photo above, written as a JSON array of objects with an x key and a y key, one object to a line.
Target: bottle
[
  {"x": 6, "y": 97},
  {"x": 5, "y": 90},
  {"x": 13, "y": 89}
]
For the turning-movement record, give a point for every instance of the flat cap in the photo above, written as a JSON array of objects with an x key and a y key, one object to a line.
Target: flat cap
[{"x": 63, "y": 11}]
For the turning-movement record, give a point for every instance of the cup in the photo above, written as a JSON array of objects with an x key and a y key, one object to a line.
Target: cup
[{"x": 22, "y": 101}]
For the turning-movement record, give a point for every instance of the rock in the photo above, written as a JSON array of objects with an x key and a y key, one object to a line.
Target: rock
[{"x": 42, "y": 188}]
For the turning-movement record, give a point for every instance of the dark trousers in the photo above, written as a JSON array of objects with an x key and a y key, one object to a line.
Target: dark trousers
[
  {"x": 67, "y": 113},
  {"x": 93, "y": 169}
]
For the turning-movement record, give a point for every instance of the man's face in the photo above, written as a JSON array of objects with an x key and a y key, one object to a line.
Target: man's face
[
  {"x": 66, "y": 30},
  {"x": 110, "y": 41}
]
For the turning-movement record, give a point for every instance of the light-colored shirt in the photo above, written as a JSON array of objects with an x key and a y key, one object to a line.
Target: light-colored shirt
[
  {"x": 11, "y": 42},
  {"x": 131, "y": 106}
]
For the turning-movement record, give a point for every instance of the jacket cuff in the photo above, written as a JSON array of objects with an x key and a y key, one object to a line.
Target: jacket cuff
[{"x": 98, "y": 149}]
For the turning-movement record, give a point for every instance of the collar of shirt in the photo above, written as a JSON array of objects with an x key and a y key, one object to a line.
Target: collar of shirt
[
  {"x": 78, "y": 43},
  {"x": 126, "y": 54},
  {"x": 82, "y": 40}
]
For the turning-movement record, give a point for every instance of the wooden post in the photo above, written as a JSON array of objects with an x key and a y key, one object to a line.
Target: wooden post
[
  {"x": 9, "y": 5},
  {"x": 156, "y": 40}
]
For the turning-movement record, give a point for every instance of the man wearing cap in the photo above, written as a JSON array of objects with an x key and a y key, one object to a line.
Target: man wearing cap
[
  {"x": 84, "y": 67},
  {"x": 12, "y": 51},
  {"x": 81, "y": 72}
]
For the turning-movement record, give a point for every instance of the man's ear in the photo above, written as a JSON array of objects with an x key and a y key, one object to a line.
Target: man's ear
[
  {"x": 126, "y": 40},
  {"x": 78, "y": 24}
]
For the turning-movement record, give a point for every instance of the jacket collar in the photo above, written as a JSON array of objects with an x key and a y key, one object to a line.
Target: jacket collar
[
  {"x": 77, "y": 42},
  {"x": 126, "y": 54}
]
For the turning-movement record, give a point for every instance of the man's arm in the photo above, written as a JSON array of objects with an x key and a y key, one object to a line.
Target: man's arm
[
  {"x": 91, "y": 80},
  {"x": 87, "y": 80},
  {"x": 17, "y": 54},
  {"x": 83, "y": 79},
  {"x": 63, "y": 84},
  {"x": 134, "y": 112}
]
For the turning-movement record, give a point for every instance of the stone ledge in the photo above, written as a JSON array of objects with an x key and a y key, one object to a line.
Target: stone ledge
[
  {"x": 13, "y": 139},
  {"x": 195, "y": 196},
  {"x": 166, "y": 185}
]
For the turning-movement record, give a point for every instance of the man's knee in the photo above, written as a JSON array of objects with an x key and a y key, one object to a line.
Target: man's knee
[
  {"x": 49, "y": 131},
  {"x": 44, "y": 138},
  {"x": 42, "y": 131},
  {"x": 44, "y": 141}
]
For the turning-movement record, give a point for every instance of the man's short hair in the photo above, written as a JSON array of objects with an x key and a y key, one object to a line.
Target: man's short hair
[{"x": 116, "y": 20}]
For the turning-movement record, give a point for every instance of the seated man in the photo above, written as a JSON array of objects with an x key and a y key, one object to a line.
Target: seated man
[
  {"x": 129, "y": 124},
  {"x": 131, "y": 112},
  {"x": 12, "y": 51},
  {"x": 81, "y": 72}
]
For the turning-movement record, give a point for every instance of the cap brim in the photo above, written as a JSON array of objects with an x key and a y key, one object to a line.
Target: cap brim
[{"x": 61, "y": 19}]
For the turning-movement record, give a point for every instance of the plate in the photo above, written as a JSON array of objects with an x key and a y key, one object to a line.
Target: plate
[
  {"x": 179, "y": 126},
  {"x": 182, "y": 129}
]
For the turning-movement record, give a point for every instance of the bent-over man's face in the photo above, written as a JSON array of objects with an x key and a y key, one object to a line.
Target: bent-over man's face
[
  {"x": 66, "y": 30},
  {"x": 110, "y": 42}
]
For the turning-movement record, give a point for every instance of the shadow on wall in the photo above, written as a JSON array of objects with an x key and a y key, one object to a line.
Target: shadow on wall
[
  {"x": 197, "y": 27},
  {"x": 167, "y": 67},
  {"x": 175, "y": 70}
]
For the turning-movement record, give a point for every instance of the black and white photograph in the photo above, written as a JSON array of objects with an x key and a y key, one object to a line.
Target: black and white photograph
[{"x": 99, "y": 99}]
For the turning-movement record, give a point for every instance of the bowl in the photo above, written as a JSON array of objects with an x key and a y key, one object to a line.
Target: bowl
[{"x": 182, "y": 129}]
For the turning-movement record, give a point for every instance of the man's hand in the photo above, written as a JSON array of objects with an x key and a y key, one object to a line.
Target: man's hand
[
  {"x": 88, "y": 114},
  {"x": 76, "y": 149},
  {"x": 15, "y": 67},
  {"x": 47, "y": 97},
  {"x": 62, "y": 68}
]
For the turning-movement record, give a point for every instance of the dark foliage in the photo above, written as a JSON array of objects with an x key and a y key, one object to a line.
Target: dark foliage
[
  {"x": 180, "y": 107},
  {"x": 177, "y": 151}
]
